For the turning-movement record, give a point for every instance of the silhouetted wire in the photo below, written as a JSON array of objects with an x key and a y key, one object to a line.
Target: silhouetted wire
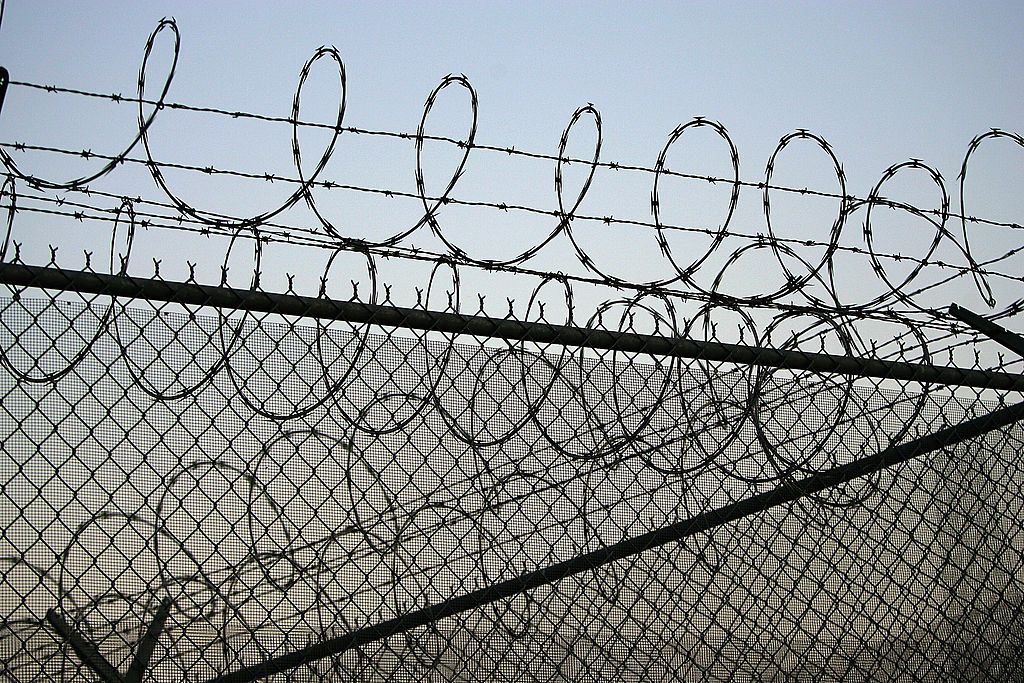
[
  {"x": 278, "y": 232},
  {"x": 511, "y": 151},
  {"x": 304, "y": 237},
  {"x": 852, "y": 202},
  {"x": 980, "y": 274}
]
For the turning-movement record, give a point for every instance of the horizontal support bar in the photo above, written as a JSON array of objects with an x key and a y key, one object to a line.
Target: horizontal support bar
[
  {"x": 500, "y": 328},
  {"x": 786, "y": 493}
]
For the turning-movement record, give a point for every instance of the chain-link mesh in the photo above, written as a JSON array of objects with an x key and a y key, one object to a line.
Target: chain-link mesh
[{"x": 305, "y": 498}]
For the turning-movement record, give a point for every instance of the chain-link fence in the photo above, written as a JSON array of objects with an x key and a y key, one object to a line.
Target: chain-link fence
[{"x": 202, "y": 483}]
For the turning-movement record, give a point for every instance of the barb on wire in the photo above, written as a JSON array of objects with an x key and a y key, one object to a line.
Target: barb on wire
[
  {"x": 659, "y": 169},
  {"x": 780, "y": 246}
]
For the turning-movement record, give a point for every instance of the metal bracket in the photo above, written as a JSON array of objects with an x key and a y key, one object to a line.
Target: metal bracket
[
  {"x": 997, "y": 333},
  {"x": 91, "y": 656}
]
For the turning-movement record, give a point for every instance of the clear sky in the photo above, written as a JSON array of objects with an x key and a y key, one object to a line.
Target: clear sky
[{"x": 882, "y": 82}]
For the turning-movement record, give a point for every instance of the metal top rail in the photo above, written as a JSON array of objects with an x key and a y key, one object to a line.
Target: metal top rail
[{"x": 500, "y": 328}]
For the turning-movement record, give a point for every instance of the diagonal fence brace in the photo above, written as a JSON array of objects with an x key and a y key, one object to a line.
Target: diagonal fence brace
[
  {"x": 94, "y": 659},
  {"x": 781, "y": 495},
  {"x": 997, "y": 333},
  {"x": 86, "y": 651}
]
